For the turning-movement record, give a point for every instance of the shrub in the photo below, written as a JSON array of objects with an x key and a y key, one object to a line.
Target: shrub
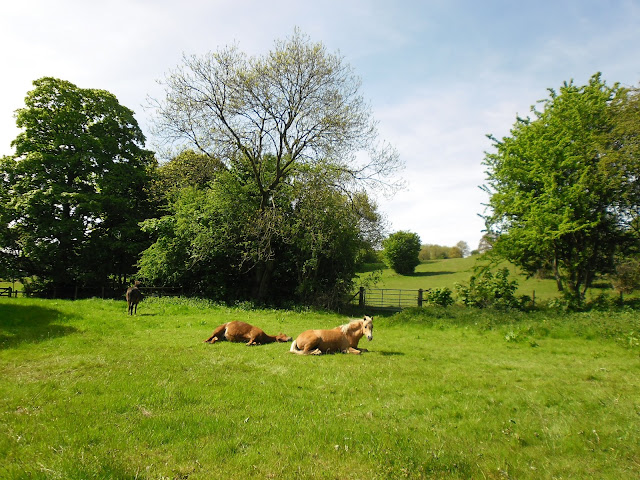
[
  {"x": 441, "y": 297},
  {"x": 489, "y": 290},
  {"x": 401, "y": 250}
]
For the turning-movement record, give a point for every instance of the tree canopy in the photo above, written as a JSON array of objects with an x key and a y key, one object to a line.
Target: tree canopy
[
  {"x": 74, "y": 191},
  {"x": 212, "y": 238},
  {"x": 269, "y": 116},
  {"x": 297, "y": 145},
  {"x": 564, "y": 185}
]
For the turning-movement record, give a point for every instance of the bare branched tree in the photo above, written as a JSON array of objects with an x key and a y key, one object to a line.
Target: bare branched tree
[{"x": 298, "y": 105}]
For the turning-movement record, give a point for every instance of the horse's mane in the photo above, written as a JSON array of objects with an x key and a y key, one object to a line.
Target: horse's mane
[{"x": 345, "y": 328}]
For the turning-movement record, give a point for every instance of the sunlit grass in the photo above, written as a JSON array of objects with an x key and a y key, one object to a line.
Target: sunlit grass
[
  {"x": 89, "y": 392},
  {"x": 447, "y": 272}
]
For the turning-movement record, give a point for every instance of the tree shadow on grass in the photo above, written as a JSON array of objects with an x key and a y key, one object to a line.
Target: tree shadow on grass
[
  {"x": 30, "y": 324},
  {"x": 429, "y": 274}
]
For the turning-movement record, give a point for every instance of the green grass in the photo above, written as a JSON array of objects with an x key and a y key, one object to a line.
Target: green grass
[
  {"x": 448, "y": 272},
  {"x": 88, "y": 392}
]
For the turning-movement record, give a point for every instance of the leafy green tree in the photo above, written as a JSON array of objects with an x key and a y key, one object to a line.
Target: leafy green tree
[
  {"x": 626, "y": 277},
  {"x": 562, "y": 186},
  {"x": 210, "y": 238},
  {"x": 401, "y": 250},
  {"x": 273, "y": 121},
  {"x": 187, "y": 169},
  {"x": 75, "y": 189}
]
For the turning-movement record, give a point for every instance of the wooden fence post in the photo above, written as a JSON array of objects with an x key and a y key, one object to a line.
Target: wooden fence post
[
  {"x": 420, "y": 297},
  {"x": 533, "y": 299},
  {"x": 361, "y": 297}
]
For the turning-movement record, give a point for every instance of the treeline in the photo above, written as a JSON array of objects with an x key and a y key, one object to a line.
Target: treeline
[
  {"x": 263, "y": 200},
  {"x": 438, "y": 252}
]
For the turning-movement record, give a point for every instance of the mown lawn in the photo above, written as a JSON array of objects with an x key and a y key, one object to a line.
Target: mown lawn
[{"x": 88, "y": 392}]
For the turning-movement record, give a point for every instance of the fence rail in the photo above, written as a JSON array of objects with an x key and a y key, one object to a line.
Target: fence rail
[
  {"x": 389, "y": 298},
  {"x": 77, "y": 293},
  {"x": 7, "y": 292}
]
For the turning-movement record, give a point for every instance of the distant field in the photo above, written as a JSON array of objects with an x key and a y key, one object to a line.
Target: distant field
[
  {"x": 15, "y": 285},
  {"x": 448, "y": 272},
  {"x": 89, "y": 392}
]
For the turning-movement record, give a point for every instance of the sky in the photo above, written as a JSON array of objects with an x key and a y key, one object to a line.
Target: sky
[{"x": 439, "y": 75}]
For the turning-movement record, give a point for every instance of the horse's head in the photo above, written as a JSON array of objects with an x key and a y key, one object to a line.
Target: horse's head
[
  {"x": 281, "y": 337},
  {"x": 367, "y": 327}
]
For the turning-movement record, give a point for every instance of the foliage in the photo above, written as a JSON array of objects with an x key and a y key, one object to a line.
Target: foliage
[
  {"x": 564, "y": 185},
  {"x": 626, "y": 277},
  {"x": 401, "y": 250},
  {"x": 187, "y": 169},
  {"x": 441, "y": 297},
  {"x": 488, "y": 289},
  {"x": 279, "y": 123},
  {"x": 435, "y": 252},
  {"x": 75, "y": 189},
  {"x": 486, "y": 243},
  {"x": 212, "y": 242}
]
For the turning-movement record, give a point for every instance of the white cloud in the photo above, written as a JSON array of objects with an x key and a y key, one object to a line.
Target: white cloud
[{"x": 440, "y": 75}]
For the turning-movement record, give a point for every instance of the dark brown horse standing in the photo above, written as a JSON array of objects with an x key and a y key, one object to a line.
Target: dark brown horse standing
[{"x": 134, "y": 295}]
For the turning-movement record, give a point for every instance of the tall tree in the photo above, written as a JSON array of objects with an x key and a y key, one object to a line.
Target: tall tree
[
  {"x": 273, "y": 118},
  {"x": 76, "y": 185},
  {"x": 560, "y": 188}
]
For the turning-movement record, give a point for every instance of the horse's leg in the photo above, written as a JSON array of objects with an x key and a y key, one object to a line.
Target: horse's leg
[
  {"x": 355, "y": 351},
  {"x": 218, "y": 334},
  {"x": 312, "y": 347}
]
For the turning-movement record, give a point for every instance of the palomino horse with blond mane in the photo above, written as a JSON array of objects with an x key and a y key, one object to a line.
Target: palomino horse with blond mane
[
  {"x": 343, "y": 339},
  {"x": 243, "y": 332}
]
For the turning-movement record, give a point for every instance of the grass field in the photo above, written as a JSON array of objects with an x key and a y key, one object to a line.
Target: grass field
[
  {"x": 448, "y": 272},
  {"x": 88, "y": 392}
]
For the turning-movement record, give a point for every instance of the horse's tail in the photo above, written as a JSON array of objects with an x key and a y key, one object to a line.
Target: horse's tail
[{"x": 294, "y": 347}]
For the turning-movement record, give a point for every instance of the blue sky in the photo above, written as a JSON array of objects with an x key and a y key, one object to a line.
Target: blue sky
[{"x": 439, "y": 75}]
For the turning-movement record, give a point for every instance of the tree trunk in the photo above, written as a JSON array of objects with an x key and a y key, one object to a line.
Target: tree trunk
[
  {"x": 264, "y": 271},
  {"x": 556, "y": 273}
]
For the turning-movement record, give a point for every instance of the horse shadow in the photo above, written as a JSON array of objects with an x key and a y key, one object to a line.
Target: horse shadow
[
  {"x": 388, "y": 353},
  {"x": 30, "y": 324}
]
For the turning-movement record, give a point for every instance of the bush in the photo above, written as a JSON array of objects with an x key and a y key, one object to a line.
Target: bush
[
  {"x": 490, "y": 290},
  {"x": 401, "y": 250},
  {"x": 441, "y": 297}
]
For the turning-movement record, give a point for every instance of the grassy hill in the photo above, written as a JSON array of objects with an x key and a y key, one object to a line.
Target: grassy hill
[
  {"x": 448, "y": 272},
  {"x": 90, "y": 392}
]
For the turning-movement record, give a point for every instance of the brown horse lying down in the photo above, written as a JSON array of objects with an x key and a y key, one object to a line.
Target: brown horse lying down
[
  {"x": 243, "y": 332},
  {"x": 343, "y": 339}
]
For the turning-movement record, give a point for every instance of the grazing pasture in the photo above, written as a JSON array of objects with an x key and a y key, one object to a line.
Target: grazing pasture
[
  {"x": 448, "y": 272},
  {"x": 88, "y": 391}
]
